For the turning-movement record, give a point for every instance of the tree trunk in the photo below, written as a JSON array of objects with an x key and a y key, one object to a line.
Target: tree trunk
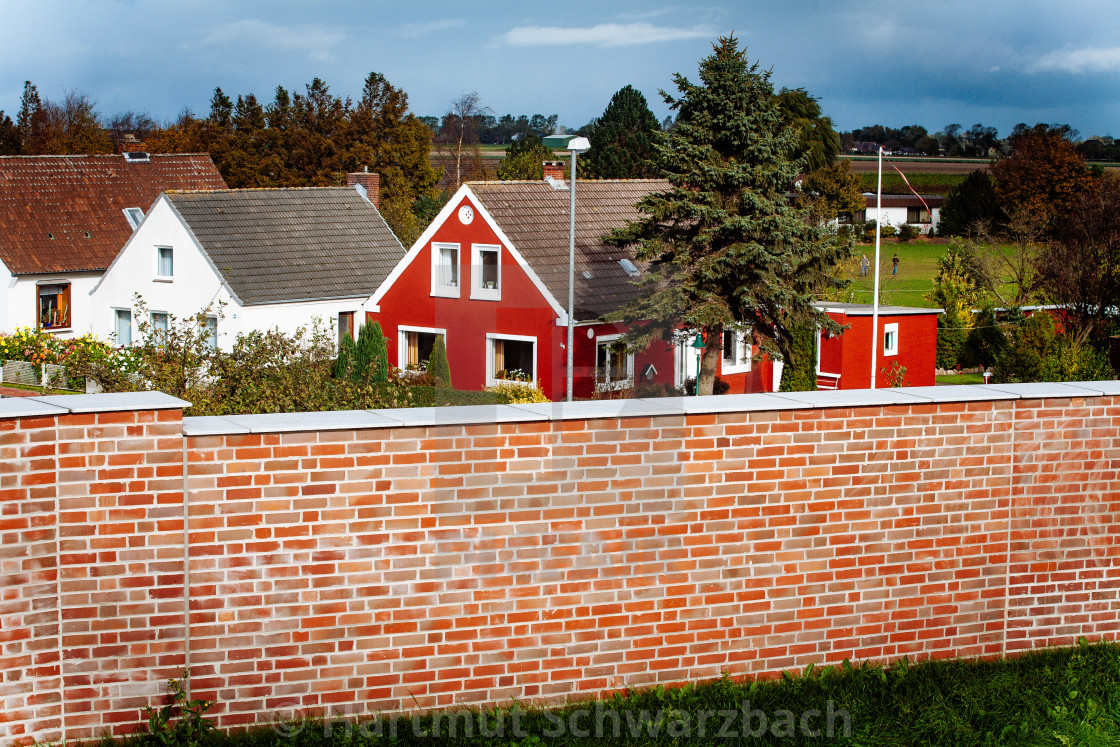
[{"x": 713, "y": 350}]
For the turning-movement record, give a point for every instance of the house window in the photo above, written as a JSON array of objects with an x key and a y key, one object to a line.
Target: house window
[
  {"x": 736, "y": 352},
  {"x": 165, "y": 265},
  {"x": 511, "y": 358},
  {"x": 445, "y": 270},
  {"x": 159, "y": 323},
  {"x": 414, "y": 347},
  {"x": 486, "y": 269},
  {"x": 134, "y": 216},
  {"x": 890, "y": 339},
  {"x": 917, "y": 215},
  {"x": 345, "y": 326},
  {"x": 614, "y": 367},
  {"x": 211, "y": 340},
  {"x": 122, "y": 326},
  {"x": 53, "y": 302}
]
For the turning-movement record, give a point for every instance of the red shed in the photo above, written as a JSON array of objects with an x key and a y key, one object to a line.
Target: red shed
[
  {"x": 906, "y": 353},
  {"x": 490, "y": 274}
]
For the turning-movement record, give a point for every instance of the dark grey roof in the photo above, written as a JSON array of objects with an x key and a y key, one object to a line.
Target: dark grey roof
[
  {"x": 277, "y": 245},
  {"x": 866, "y": 309},
  {"x": 534, "y": 215}
]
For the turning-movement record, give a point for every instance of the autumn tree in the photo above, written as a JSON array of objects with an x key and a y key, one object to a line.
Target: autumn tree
[
  {"x": 724, "y": 248},
  {"x": 1043, "y": 175},
  {"x": 30, "y": 121},
  {"x": 832, "y": 191},
  {"x": 10, "y": 140},
  {"x": 459, "y": 135},
  {"x": 622, "y": 139},
  {"x": 1081, "y": 268}
]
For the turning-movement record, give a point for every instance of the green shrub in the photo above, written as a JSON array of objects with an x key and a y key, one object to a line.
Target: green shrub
[
  {"x": 1036, "y": 352},
  {"x": 799, "y": 374},
  {"x": 908, "y": 232},
  {"x": 514, "y": 392},
  {"x": 189, "y": 730},
  {"x": 438, "y": 367},
  {"x": 347, "y": 353},
  {"x": 371, "y": 363}
]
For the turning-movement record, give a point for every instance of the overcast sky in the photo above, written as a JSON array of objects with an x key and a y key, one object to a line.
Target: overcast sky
[{"x": 895, "y": 63}]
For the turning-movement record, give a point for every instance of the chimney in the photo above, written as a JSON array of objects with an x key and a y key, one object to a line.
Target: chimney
[
  {"x": 129, "y": 143},
  {"x": 370, "y": 184},
  {"x": 554, "y": 169}
]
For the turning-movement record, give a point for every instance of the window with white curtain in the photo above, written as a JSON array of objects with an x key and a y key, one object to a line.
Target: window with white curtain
[{"x": 445, "y": 270}]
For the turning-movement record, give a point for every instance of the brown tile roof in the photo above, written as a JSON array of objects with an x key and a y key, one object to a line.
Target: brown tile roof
[
  {"x": 904, "y": 200},
  {"x": 277, "y": 245},
  {"x": 534, "y": 216},
  {"x": 65, "y": 213}
]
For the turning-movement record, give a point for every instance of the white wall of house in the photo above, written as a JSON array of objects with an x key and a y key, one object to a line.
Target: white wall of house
[
  {"x": 194, "y": 285},
  {"x": 19, "y": 300},
  {"x": 896, "y": 216}
]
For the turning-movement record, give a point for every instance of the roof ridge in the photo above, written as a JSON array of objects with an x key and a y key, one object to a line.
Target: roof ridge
[{"x": 258, "y": 189}]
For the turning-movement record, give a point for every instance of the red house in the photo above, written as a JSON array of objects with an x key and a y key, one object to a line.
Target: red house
[
  {"x": 906, "y": 347},
  {"x": 490, "y": 274}
]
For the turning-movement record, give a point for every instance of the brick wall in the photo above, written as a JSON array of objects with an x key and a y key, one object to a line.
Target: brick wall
[{"x": 392, "y": 560}]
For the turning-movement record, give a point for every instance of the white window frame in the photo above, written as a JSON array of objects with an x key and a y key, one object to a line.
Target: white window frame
[
  {"x": 117, "y": 312},
  {"x": 152, "y": 322},
  {"x": 744, "y": 348},
  {"x": 684, "y": 359},
  {"x": 608, "y": 385},
  {"x": 890, "y": 339},
  {"x": 477, "y": 291},
  {"x": 446, "y": 291},
  {"x": 490, "y": 337},
  {"x": 135, "y": 216},
  {"x": 171, "y": 256},
  {"x": 402, "y": 341}
]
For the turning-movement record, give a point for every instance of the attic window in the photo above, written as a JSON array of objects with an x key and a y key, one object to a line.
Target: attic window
[
  {"x": 88, "y": 235},
  {"x": 629, "y": 268},
  {"x": 50, "y": 236},
  {"x": 587, "y": 274},
  {"x": 134, "y": 216},
  {"x": 136, "y": 156}
]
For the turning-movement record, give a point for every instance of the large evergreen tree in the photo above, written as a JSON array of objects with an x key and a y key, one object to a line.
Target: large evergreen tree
[
  {"x": 971, "y": 206},
  {"x": 725, "y": 249},
  {"x": 818, "y": 140},
  {"x": 622, "y": 140}
]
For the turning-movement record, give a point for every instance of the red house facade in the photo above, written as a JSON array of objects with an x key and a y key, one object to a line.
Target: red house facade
[
  {"x": 490, "y": 275},
  {"x": 906, "y": 353}
]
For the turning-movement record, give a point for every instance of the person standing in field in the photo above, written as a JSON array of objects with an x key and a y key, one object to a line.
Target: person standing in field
[
  {"x": 864, "y": 265},
  {"x": 894, "y": 264}
]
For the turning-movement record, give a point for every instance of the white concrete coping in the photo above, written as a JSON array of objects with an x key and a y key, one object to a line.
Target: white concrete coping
[
  {"x": 62, "y": 404},
  {"x": 17, "y": 407}
]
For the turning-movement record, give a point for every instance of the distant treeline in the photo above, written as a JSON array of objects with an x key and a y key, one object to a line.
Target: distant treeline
[{"x": 978, "y": 141}]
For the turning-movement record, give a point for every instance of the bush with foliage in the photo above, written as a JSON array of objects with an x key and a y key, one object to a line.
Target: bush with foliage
[
  {"x": 1036, "y": 352},
  {"x": 985, "y": 342},
  {"x": 516, "y": 392},
  {"x": 371, "y": 362},
  {"x": 191, "y": 729},
  {"x": 956, "y": 290},
  {"x": 907, "y": 232}
]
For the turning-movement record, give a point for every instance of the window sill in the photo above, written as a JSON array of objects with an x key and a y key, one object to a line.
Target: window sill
[
  {"x": 162, "y": 279},
  {"x": 486, "y": 294},
  {"x": 734, "y": 369},
  {"x": 53, "y": 330},
  {"x": 445, "y": 292}
]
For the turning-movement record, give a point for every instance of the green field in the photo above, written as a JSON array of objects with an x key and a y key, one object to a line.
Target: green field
[
  {"x": 936, "y": 184},
  {"x": 917, "y": 267}
]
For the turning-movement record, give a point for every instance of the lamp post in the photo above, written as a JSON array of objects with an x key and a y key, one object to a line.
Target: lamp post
[
  {"x": 574, "y": 145},
  {"x": 698, "y": 345}
]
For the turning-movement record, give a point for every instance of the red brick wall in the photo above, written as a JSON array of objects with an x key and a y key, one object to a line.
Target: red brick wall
[{"x": 375, "y": 568}]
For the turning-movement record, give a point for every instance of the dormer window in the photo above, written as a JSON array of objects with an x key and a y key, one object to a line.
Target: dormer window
[
  {"x": 629, "y": 267},
  {"x": 165, "y": 263},
  {"x": 134, "y": 216},
  {"x": 136, "y": 156}
]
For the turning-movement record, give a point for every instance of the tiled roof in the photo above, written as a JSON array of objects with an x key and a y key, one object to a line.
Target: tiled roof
[
  {"x": 276, "y": 245},
  {"x": 65, "y": 213},
  {"x": 534, "y": 216},
  {"x": 905, "y": 200}
]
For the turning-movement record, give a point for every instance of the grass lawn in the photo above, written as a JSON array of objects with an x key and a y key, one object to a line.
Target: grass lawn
[
  {"x": 917, "y": 267},
  {"x": 964, "y": 378},
  {"x": 1061, "y": 696}
]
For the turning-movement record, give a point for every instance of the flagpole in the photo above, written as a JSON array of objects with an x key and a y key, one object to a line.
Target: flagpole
[{"x": 875, "y": 298}]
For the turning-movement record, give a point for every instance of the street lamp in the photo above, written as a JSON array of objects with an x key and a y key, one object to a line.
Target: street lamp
[
  {"x": 575, "y": 145},
  {"x": 698, "y": 345}
]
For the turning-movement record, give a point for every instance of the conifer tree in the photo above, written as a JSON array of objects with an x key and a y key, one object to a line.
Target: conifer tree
[
  {"x": 371, "y": 361},
  {"x": 347, "y": 352},
  {"x": 724, "y": 248},
  {"x": 438, "y": 367},
  {"x": 622, "y": 140}
]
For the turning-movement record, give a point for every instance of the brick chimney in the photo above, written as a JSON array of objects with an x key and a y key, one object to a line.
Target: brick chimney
[
  {"x": 129, "y": 144},
  {"x": 368, "y": 181},
  {"x": 555, "y": 169}
]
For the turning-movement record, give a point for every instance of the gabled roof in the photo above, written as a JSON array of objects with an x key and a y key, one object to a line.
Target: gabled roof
[
  {"x": 905, "y": 200},
  {"x": 66, "y": 213},
  {"x": 534, "y": 216},
  {"x": 282, "y": 245}
]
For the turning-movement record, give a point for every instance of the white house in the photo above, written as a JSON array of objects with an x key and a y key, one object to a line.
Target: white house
[
  {"x": 64, "y": 218},
  {"x": 923, "y": 212},
  {"x": 251, "y": 259}
]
